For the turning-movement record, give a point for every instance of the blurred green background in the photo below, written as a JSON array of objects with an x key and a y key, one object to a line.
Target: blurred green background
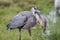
[{"x": 9, "y": 8}]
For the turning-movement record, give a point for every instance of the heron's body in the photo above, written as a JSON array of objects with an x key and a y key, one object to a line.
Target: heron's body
[{"x": 24, "y": 20}]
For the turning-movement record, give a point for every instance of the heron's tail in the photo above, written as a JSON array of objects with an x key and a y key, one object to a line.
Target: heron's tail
[{"x": 8, "y": 26}]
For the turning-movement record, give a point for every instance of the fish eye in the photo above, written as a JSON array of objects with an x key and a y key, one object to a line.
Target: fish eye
[{"x": 35, "y": 12}]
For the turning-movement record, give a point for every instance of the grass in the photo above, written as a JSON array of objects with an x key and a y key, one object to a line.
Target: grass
[{"x": 7, "y": 12}]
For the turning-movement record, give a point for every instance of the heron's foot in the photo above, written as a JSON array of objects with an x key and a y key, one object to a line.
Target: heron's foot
[
  {"x": 19, "y": 38},
  {"x": 30, "y": 38}
]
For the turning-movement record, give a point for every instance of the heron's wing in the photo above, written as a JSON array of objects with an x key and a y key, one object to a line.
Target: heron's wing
[
  {"x": 30, "y": 23},
  {"x": 18, "y": 21}
]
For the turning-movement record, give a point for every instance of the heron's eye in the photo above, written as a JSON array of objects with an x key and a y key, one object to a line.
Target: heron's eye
[{"x": 35, "y": 8}]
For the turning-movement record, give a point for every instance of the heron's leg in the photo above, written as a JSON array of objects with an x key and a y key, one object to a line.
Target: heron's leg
[
  {"x": 29, "y": 30},
  {"x": 19, "y": 34}
]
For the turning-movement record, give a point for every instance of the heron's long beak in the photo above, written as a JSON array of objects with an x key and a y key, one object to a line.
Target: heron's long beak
[{"x": 38, "y": 18}]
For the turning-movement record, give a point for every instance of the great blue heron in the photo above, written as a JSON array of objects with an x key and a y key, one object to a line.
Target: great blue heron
[
  {"x": 57, "y": 5},
  {"x": 26, "y": 20}
]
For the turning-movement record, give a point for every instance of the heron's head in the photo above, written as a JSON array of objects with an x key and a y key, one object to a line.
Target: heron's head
[{"x": 36, "y": 13}]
